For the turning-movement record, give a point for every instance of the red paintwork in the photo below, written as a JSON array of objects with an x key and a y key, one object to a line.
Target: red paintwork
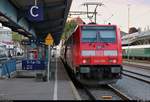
[{"x": 73, "y": 55}]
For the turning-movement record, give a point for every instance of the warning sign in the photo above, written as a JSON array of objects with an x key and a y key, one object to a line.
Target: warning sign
[{"x": 49, "y": 40}]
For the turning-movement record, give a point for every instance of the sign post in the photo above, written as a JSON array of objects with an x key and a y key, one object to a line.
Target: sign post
[
  {"x": 49, "y": 41},
  {"x": 49, "y": 62}
]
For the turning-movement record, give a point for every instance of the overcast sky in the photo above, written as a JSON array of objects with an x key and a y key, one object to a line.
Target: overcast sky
[{"x": 116, "y": 12}]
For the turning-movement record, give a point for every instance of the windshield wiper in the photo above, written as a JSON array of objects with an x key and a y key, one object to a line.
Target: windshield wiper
[{"x": 98, "y": 36}]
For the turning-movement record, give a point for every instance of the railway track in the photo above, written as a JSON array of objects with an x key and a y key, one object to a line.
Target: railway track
[
  {"x": 119, "y": 93},
  {"x": 147, "y": 76},
  {"x": 89, "y": 94},
  {"x": 138, "y": 76},
  {"x": 137, "y": 66},
  {"x": 137, "y": 61},
  {"x": 112, "y": 93},
  {"x": 88, "y": 90}
]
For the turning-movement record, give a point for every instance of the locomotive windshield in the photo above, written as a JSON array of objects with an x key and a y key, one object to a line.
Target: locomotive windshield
[{"x": 98, "y": 34}]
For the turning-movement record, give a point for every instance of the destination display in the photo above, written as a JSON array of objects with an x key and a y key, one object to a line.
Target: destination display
[{"x": 99, "y": 27}]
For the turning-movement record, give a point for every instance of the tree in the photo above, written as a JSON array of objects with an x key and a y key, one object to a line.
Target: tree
[
  {"x": 69, "y": 27},
  {"x": 16, "y": 37}
]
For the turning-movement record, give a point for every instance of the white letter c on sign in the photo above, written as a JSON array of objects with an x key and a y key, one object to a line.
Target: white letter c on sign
[{"x": 32, "y": 9}]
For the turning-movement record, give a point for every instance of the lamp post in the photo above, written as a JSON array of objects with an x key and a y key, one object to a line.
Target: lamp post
[{"x": 128, "y": 27}]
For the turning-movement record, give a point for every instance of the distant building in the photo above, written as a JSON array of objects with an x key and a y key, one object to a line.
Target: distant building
[{"x": 6, "y": 36}]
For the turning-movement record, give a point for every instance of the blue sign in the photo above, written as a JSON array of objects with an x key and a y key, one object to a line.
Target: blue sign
[
  {"x": 33, "y": 64},
  {"x": 35, "y": 13}
]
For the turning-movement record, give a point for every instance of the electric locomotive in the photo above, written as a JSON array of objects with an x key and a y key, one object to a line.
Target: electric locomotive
[{"x": 94, "y": 54}]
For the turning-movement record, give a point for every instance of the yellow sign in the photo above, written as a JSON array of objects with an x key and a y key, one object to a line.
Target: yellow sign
[{"x": 49, "y": 40}]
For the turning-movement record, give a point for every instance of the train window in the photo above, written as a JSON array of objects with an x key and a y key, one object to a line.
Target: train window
[
  {"x": 106, "y": 36},
  {"x": 88, "y": 36},
  {"x": 98, "y": 35}
]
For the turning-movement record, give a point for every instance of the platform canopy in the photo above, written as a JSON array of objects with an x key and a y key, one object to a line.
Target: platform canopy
[{"x": 55, "y": 13}]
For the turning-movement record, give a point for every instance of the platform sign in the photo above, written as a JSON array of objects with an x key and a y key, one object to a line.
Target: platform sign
[
  {"x": 33, "y": 64},
  {"x": 35, "y": 13},
  {"x": 49, "y": 40}
]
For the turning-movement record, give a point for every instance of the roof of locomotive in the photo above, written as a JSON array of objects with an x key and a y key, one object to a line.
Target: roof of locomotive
[{"x": 97, "y": 25}]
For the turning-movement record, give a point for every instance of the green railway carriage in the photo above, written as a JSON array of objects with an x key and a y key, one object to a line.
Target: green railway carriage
[{"x": 138, "y": 51}]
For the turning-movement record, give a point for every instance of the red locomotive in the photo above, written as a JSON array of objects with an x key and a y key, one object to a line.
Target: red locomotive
[{"x": 94, "y": 53}]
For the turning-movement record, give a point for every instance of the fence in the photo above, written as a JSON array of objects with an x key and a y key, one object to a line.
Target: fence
[{"x": 7, "y": 67}]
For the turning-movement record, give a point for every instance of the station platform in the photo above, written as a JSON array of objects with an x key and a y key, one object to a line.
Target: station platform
[{"x": 60, "y": 87}]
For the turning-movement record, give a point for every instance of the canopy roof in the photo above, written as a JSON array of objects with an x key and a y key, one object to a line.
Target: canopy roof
[{"x": 55, "y": 15}]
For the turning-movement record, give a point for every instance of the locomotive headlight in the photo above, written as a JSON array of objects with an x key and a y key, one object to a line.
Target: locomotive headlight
[
  {"x": 84, "y": 61},
  {"x": 114, "y": 61}
]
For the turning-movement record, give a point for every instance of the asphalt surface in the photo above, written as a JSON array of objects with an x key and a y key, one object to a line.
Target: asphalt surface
[
  {"x": 25, "y": 89},
  {"x": 58, "y": 88}
]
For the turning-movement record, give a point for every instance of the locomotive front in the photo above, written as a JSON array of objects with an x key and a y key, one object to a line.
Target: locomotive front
[{"x": 100, "y": 53}]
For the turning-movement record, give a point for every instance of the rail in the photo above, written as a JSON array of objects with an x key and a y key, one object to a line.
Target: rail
[
  {"x": 137, "y": 77},
  {"x": 87, "y": 90},
  {"x": 119, "y": 93}
]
